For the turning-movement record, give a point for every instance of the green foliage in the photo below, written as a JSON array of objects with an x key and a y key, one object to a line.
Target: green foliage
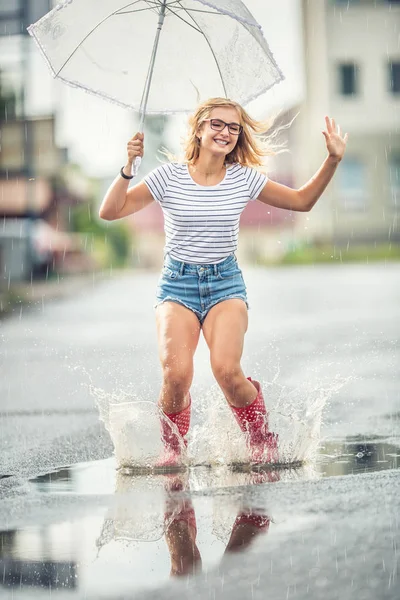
[
  {"x": 7, "y": 102},
  {"x": 337, "y": 254},
  {"x": 109, "y": 243}
]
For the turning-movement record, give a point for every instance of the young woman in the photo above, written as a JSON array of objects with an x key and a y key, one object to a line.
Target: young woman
[{"x": 201, "y": 287}]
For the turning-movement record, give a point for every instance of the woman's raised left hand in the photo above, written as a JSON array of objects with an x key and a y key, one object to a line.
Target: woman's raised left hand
[{"x": 335, "y": 141}]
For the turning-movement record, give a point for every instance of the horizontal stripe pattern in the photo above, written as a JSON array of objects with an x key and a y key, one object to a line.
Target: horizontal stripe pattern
[{"x": 202, "y": 222}]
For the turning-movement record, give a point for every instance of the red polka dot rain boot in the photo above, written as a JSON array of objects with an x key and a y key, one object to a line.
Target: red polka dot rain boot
[
  {"x": 253, "y": 420},
  {"x": 172, "y": 456}
]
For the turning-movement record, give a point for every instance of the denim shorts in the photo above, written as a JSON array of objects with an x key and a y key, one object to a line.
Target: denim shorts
[{"x": 200, "y": 287}]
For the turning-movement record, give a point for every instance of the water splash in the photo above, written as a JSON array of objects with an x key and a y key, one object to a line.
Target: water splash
[
  {"x": 215, "y": 439},
  {"x": 134, "y": 426},
  {"x": 138, "y": 510},
  {"x": 294, "y": 414}
]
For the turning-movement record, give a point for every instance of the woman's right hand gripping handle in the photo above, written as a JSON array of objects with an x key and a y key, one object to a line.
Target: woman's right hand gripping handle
[
  {"x": 135, "y": 149},
  {"x": 119, "y": 201}
]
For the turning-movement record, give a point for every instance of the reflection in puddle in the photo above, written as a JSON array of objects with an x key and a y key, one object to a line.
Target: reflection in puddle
[
  {"x": 358, "y": 456},
  {"x": 60, "y": 481},
  {"x": 152, "y": 528},
  {"x": 183, "y": 533},
  {"x": 40, "y": 557},
  {"x": 168, "y": 510}
]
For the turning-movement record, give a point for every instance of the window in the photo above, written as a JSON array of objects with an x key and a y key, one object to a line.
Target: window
[
  {"x": 352, "y": 184},
  {"x": 16, "y": 15},
  {"x": 348, "y": 79},
  {"x": 394, "y": 181},
  {"x": 394, "y": 77},
  {"x": 8, "y": 7},
  {"x": 10, "y": 17}
]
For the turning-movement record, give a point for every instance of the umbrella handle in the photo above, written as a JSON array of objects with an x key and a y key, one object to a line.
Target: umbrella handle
[{"x": 136, "y": 165}]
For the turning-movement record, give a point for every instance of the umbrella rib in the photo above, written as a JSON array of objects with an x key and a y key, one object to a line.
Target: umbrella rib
[
  {"x": 94, "y": 29},
  {"x": 130, "y": 12},
  {"x": 153, "y": 3},
  {"x": 177, "y": 4},
  {"x": 182, "y": 19},
  {"x": 207, "y": 12},
  {"x": 209, "y": 45}
]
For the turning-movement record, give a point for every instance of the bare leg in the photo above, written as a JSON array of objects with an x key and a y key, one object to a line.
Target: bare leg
[
  {"x": 246, "y": 527},
  {"x": 181, "y": 541},
  {"x": 224, "y": 329},
  {"x": 178, "y": 331},
  {"x": 181, "y": 533}
]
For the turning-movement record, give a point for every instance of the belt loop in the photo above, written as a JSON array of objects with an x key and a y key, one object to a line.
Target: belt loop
[
  {"x": 181, "y": 268},
  {"x": 215, "y": 269}
]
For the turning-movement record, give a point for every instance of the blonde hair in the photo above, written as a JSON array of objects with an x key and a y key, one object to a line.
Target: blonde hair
[{"x": 253, "y": 144}]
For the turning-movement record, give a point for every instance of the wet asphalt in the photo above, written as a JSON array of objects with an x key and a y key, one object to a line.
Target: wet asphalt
[{"x": 71, "y": 527}]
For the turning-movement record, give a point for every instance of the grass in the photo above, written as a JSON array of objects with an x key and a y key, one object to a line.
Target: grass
[{"x": 307, "y": 255}]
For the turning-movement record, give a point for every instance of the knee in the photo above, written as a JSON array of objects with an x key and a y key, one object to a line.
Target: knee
[
  {"x": 226, "y": 372},
  {"x": 177, "y": 376}
]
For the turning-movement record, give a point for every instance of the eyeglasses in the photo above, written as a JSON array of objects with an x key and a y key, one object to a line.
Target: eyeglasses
[{"x": 219, "y": 125}]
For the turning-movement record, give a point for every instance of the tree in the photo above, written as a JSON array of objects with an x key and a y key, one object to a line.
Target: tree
[{"x": 8, "y": 102}]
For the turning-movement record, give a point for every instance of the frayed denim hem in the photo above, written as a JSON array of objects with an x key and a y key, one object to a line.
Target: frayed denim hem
[
  {"x": 201, "y": 317},
  {"x": 177, "y": 301},
  {"x": 232, "y": 297}
]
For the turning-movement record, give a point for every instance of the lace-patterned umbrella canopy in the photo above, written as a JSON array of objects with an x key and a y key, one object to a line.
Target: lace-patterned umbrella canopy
[{"x": 157, "y": 56}]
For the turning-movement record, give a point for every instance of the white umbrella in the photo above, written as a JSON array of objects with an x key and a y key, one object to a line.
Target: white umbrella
[{"x": 157, "y": 56}]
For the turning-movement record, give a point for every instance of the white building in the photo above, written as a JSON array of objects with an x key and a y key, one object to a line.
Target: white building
[{"x": 352, "y": 58}]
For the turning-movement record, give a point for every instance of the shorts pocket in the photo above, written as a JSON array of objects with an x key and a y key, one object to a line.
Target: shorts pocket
[
  {"x": 169, "y": 273},
  {"x": 232, "y": 271}
]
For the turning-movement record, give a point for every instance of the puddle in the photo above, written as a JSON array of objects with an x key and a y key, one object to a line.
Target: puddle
[
  {"x": 357, "y": 455},
  {"x": 134, "y": 425},
  {"x": 348, "y": 457},
  {"x": 150, "y": 529}
]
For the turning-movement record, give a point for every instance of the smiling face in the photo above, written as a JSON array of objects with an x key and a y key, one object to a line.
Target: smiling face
[{"x": 219, "y": 142}]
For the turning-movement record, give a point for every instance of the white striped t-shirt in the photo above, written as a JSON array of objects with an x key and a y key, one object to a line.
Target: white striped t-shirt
[{"x": 202, "y": 222}]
